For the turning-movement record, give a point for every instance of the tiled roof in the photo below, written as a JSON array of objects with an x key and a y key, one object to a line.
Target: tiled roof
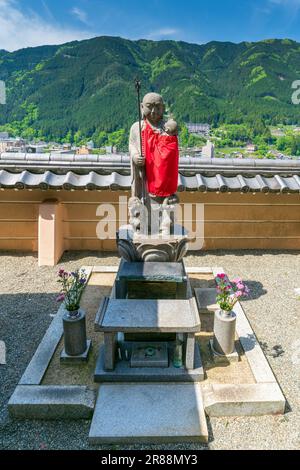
[{"x": 54, "y": 171}]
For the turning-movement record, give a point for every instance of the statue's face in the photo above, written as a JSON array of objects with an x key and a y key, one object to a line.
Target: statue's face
[{"x": 153, "y": 108}]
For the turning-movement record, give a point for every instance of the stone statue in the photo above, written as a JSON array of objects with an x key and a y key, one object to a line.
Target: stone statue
[
  {"x": 153, "y": 234},
  {"x": 161, "y": 194}
]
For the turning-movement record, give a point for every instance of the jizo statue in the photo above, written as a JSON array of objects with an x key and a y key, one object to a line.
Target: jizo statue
[{"x": 154, "y": 167}]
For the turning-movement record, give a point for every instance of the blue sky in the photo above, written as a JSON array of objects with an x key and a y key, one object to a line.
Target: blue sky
[{"x": 26, "y": 23}]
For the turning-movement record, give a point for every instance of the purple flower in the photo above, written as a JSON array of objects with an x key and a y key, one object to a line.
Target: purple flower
[
  {"x": 60, "y": 298},
  {"x": 239, "y": 293},
  {"x": 237, "y": 280}
]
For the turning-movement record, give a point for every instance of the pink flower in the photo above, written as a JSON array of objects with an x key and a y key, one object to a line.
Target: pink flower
[
  {"x": 237, "y": 280},
  {"x": 221, "y": 276},
  {"x": 239, "y": 294},
  {"x": 240, "y": 286}
]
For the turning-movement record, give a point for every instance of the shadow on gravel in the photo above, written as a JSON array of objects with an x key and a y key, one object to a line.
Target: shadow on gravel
[
  {"x": 80, "y": 255},
  {"x": 24, "y": 319},
  {"x": 256, "y": 290},
  {"x": 259, "y": 253}
]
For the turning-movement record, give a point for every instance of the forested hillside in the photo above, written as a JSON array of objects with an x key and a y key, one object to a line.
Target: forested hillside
[{"x": 85, "y": 88}]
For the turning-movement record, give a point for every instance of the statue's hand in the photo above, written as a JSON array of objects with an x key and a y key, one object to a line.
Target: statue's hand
[
  {"x": 171, "y": 200},
  {"x": 139, "y": 160}
]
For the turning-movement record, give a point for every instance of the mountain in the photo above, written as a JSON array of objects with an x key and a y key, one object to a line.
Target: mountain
[{"x": 86, "y": 87}]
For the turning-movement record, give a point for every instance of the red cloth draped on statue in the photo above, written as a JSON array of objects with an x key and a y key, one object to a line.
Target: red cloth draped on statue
[{"x": 161, "y": 159}]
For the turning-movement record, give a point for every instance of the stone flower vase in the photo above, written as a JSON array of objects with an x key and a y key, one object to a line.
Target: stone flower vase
[
  {"x": 74, "y": 332},
  {"x": 224, "y": 332}
]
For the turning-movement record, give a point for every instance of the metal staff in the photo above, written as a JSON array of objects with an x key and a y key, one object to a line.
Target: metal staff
[{"x": 137, "y": 83}]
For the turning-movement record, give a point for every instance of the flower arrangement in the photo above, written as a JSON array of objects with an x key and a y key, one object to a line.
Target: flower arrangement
[
  {"x": 72, "y": 286},
  {"x": 229, "y": 292}
]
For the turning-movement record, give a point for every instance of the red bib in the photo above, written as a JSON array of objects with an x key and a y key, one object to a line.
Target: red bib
[{"x": 162, "y": 158}]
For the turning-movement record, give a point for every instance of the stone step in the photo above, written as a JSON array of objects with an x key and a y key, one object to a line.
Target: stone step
[{"x": 148, "y": 413}]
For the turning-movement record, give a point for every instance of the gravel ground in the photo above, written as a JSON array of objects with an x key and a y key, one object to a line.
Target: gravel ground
[{"x": 28, "y": 299}]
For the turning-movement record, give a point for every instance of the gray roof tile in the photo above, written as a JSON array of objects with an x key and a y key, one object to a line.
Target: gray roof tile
[
  {"x": 115, "y": 181},
  {"x": 68, "y": 171}
]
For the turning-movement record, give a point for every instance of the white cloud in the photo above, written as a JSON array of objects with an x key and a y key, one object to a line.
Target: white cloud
[
  {"x": 19, "y": 29},
  {"x": 163, "y": 33},
  {"x": 80, "y": 15},
  {"x": 287, "y": 3}
]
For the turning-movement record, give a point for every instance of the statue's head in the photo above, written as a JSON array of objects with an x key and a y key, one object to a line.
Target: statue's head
[{"x": 153, "y": 107}]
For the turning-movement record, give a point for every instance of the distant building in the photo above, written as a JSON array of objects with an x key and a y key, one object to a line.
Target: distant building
[
  {"x": 4, "y": 135},
  {"x": 277, "y": 132},
  {"x": 251, "y": 148},
  {"x": 90, "y": 145},
  {"x": 36, "y": 148},
  {"x": 83, "y": 150},
  {"x": 111, "y": 149},
  {"x": 276, "y": 154},
  {"x": 13, "y": 145},
  {"x": 208, "y": 151},
  {"x": 198, "y": 128}
]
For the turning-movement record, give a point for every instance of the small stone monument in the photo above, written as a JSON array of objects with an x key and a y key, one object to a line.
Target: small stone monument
[{"x": 208, "y": 151}]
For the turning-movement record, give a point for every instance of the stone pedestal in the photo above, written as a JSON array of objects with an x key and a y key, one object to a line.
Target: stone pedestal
[
  {"x": 160, "y": 247},
  {"x": 224, "y": 332},
  {"x": 74, "y": 333},
  {"x": 76, "y": 345},
  {"x": 78, "y": 359}
]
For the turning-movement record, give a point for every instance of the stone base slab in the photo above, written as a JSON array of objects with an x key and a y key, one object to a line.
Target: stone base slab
[
  {"x": 66, "y": 359},
  {"x": 31, "y": 400},
  {"x": 52, "y": 402},
  {"x": 223, "y": 358},
  {"x": 243, "y": 399},
  {"x": 148, "y": 413}
]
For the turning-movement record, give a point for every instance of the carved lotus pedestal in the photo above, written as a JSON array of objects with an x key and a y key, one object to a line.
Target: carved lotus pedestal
[{"x": 135, "y": 246}]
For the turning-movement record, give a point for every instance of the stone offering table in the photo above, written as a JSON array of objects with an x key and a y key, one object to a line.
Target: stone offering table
[{"x": 178, "y": 316}]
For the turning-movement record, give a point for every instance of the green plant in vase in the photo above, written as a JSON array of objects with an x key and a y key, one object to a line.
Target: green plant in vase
[{"x": 72, "y": 287}]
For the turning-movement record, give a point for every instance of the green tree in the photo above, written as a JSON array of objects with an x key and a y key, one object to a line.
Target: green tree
[{"x": 184, "y": 136}]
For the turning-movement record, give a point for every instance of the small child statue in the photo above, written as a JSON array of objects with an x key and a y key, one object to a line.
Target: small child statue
[{"x": 171, "y": 127}]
